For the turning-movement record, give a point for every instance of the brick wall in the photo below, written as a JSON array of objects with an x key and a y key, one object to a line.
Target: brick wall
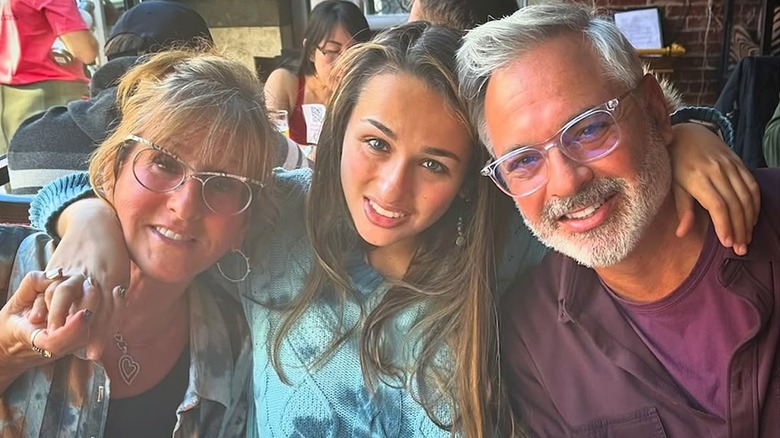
[{"x": 698, "y": 26}]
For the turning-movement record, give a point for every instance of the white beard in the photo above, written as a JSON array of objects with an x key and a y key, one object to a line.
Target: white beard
[{"x": 612, "y": 241}]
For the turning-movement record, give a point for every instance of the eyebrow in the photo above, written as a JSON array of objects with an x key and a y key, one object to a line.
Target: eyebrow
[
  {"x": 517, "y": 146},
  {"x": 430, "y": 150},
  {"x": 333, "y": 42},
  {"x": 440, "y": 153},
  {"x": 380, "y": 126}
]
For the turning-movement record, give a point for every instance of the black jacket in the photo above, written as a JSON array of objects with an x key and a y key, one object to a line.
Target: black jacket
[{"x": 749, "y": 98}]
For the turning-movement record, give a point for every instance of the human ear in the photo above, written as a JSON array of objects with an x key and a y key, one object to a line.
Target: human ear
[
  {"x": 656, "y": 107},
  {"x": 311, "y": 55}
]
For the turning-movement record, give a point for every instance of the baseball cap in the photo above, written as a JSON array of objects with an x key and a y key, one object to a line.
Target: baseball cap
[{"x": 162, "y": 24}]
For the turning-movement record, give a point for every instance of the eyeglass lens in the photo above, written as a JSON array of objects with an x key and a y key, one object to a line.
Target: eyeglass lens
[
  {"x": 160, "y": 172},
  {"x": 589, "y": 138},
  {"x": 329, "y": 54}
]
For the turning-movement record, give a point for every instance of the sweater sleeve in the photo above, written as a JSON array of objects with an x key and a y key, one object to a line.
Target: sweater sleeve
[
  {"x": 772, "y": 140},
  {"x": 55, "y": 197},
  {"x": 707, "y": 116}
]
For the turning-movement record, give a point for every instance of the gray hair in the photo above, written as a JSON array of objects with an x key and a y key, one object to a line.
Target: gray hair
[{"x": 498, "y": 43}]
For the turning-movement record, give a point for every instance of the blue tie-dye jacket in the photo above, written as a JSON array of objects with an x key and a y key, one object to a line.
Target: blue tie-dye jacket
[{"x": 69, "y": 397}]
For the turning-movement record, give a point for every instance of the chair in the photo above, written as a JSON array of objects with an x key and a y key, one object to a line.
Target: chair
[
  {"x": 4, "y": 170},
  {"x": 14, "y": 209}
]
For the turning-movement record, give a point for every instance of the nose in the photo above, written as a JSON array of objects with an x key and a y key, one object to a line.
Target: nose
[
  {"x": 564, "y": 175},
  {"x": 187, "y": 200},
  {"x": 393, "y": 179}
]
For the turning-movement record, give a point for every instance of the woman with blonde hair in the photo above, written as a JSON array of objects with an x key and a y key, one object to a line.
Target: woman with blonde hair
[
  {"x": 183, "y": 172},
  {"x": 371, "y": 305}
]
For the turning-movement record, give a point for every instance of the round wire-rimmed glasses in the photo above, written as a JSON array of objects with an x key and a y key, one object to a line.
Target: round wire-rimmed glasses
[
  {"x": 160, "y": 171},
  {"x": 588, "y": 137}
]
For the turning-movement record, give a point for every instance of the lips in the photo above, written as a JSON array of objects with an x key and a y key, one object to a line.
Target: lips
[
  {"x": 385, "y": 212},
  {"x": 585, "y": 212},
  {"x": 383, "y": 216},
  {"x": 170, "y": 234},
  {"x": 590, "y": 217}
]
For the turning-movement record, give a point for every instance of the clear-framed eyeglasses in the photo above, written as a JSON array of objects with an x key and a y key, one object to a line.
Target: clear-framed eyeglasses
[
  {"x": 158, "y": 170},
  {"x": 590, "y": 136},
  {"x": 330, "y": 55}
]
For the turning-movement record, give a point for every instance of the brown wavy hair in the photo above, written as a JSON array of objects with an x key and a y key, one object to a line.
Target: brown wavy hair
[{"x": 454, "y": 336}]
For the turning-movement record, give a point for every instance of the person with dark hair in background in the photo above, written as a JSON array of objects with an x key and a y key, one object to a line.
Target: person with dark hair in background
[
  {"x": 60, "y": 140},
  {"x": 461, "y": 14},
  {"x": 31, "y": 79},
  {"x": 333, "y": 26}
]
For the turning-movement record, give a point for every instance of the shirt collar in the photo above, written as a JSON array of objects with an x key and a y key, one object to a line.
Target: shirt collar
[{"x": 579, "y": 283}]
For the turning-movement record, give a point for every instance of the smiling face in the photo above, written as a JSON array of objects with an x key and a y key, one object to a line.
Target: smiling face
[
  {"x": 404, "y": 159},
  {"x": 596, "y": 212},
  {"x": 173, "y": 236}
]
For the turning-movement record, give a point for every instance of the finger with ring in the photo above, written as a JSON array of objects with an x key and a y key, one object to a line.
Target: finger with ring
[
  {"x": 42, "y": 352},
  {"x": 54, "y": 274}
]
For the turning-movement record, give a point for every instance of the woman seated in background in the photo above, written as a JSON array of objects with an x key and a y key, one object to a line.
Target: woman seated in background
[
  {"x": 334, "y": 25},
  {"x": 183, "y": 171}
]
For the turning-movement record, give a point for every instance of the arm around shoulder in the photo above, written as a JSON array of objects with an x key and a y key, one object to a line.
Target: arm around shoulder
[{"x": 55, "y": 197}]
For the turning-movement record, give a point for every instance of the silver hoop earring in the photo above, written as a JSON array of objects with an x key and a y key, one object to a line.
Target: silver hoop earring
[
  {"x": 246, "y": 274},
  {"x": 461, "y": 239}
]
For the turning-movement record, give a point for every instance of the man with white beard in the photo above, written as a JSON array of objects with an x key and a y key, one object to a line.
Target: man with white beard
[{"x": 631, "y": 331}]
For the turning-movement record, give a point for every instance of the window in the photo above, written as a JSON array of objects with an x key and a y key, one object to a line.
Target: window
[
  {"x": 382, "y": 14},
  {"x": 386, "y": 7}
]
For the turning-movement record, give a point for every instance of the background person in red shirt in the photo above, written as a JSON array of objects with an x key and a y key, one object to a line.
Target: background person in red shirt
[{"x": 30, "y": 80}]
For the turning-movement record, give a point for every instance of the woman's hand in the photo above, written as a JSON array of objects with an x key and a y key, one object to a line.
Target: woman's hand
[
  {"x": 92, "y": 245},
  {"x": 706, "y": 169},
  {"x": 17, "y": 327}
]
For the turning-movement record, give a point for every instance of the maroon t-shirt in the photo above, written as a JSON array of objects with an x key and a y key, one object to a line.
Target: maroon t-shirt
[{"x": 678, "y": 330}]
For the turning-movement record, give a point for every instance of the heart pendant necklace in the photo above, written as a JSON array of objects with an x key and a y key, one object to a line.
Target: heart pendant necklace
[{"x": 128, "y": 366}]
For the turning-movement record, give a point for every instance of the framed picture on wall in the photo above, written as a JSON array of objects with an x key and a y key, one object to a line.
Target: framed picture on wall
[{"x": 642, "y": 27}]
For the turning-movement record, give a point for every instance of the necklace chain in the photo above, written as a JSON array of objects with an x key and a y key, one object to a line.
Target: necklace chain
[{"x": 129, "y": 368}]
